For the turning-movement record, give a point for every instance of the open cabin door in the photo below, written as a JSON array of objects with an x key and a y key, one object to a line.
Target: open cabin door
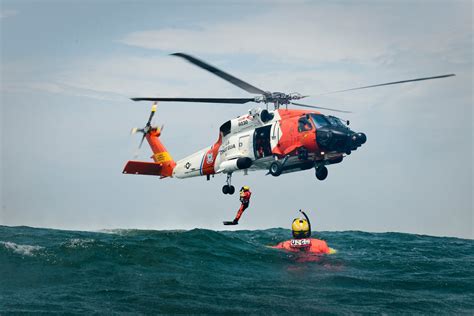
[{"x": 262, "y": 146}]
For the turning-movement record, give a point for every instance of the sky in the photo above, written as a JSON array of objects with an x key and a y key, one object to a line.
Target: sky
[{"x": 68, "y": 69}]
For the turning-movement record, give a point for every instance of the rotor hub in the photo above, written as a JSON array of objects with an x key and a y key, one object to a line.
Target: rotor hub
[{"x": 278, "y": 98}]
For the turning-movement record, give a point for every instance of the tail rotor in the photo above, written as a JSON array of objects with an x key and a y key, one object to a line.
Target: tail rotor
[{"x": 145, "y": 130}]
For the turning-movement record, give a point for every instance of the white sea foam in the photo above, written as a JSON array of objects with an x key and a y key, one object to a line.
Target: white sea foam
[
  {"x": 78, "y": 243},
  {"x": 114, "y": 231},
  {"x": 26, "y": 250}
]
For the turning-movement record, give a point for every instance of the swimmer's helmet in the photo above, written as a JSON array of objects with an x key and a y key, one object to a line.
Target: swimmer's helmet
[{"x": 301, "y": 228}]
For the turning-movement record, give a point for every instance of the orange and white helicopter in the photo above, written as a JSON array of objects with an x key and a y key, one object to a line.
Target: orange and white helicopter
[{"x": 279, "y": 141}]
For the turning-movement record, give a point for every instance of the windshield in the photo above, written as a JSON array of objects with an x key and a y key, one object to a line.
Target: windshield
[
  {"x": 319, "y": 120},
  {"x": 335, "y": 121}
]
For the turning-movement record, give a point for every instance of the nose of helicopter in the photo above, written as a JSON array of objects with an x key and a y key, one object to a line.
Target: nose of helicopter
[
  {"x": 339, "y": 140},
  {"x": 356, "y": 140}
]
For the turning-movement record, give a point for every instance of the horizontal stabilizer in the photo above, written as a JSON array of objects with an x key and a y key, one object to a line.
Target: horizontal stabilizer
[{"x": 141, "y": 167}]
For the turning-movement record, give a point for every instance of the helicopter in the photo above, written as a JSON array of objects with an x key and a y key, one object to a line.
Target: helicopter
[{"x": 279, "y": 141}]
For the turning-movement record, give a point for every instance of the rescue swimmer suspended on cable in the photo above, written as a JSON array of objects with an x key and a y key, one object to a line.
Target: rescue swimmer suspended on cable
[
  {"x": 280, "y": 141},
  {"x": 245, "y": 195}
]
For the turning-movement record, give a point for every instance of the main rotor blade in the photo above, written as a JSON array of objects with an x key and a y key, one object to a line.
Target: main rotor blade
[
  {"x": 319, "y": 107},
  {"x": 203, "y": 100},
  {"x": 390, "y": 83},
  {"x": 235, "y": 81}
]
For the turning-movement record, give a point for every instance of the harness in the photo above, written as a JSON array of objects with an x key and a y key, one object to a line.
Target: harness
[{"x": 244, "y": 198}]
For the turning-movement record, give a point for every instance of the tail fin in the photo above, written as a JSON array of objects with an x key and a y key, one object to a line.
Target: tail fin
[{"x": 164, "y": 163}]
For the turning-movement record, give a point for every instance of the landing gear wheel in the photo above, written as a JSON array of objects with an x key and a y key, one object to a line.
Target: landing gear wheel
[
  {"x": 275, "y": 169},
  {"x": 226, "y": 189},
  {"x": 321, "y": 173}
]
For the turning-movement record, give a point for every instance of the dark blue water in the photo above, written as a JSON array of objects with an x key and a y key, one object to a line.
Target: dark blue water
[{"x": 203, "y": 271}]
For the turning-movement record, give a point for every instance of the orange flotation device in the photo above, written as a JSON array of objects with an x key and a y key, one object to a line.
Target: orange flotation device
[{"x": 311, "y": 245}]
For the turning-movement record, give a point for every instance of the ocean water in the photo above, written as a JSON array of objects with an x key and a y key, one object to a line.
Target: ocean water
[{"x": 209, "y": 272}]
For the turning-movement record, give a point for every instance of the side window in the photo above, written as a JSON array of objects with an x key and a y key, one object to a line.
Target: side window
[
  {"x": 304, "y": 125},
  {"x": 225, "y": 128}
]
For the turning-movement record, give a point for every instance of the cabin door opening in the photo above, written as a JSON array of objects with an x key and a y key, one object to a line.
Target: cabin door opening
[{"x": 262, "y": 146}]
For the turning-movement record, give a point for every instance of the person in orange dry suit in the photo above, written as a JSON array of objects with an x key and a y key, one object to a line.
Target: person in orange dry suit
[
  {"x": 245, "y": 200},
  {"x": 301, "y": 229}
]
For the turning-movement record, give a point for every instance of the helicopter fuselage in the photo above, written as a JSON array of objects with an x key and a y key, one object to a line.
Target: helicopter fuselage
[
  {"x": 280, "y": 141},
  {"x": 298, "y": 139}
]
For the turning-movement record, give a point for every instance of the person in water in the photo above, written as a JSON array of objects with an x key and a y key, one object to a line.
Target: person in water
[
  {"x": 302, "y": 241},
  {"x": 244, "y": 200}
]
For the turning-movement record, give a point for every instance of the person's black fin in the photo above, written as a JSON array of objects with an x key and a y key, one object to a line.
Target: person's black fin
[{"x": 230, "y": 223}]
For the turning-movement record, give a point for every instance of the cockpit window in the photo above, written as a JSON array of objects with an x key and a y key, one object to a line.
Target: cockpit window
[
  {"x": 335, "y": 121},
  {"x": 319, "y": 120},
  {"x": 304, "y": 125},
  {"x": 225, "y": 128}
]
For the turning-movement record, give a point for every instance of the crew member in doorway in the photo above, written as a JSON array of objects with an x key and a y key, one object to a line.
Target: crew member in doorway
[
  {"x": 260, "y": 150},
  {"x": 302, "y": 241}
]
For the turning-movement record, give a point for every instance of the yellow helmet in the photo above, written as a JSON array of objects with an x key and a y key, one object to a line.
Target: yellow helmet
[
  {"x": 246, "y": 188},
  {"x": 300, "y": 228}
]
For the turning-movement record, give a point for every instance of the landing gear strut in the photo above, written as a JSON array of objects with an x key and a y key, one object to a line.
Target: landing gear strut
[
  {"x": 228, "y": 188},
  {"x": 321, "y": 172},
  {"x": 276, "y": 167}
]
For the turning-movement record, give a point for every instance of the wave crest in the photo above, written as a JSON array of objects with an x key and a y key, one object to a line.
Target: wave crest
[{"x": 25, "y": 250}]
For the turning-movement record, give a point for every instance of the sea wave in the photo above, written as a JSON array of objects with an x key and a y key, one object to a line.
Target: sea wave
[
  {"x": 78, "y": 243},
  {"x": 210, "y": 272},
  {"x": 25, "y": 250}
]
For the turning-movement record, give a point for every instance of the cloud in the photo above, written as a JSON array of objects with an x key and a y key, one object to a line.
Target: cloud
[
  {"x": 326, "y": 33},
  {"x": 303, "y": 40},
  {"x": 122, "y": 77},
  {"x": 7, "y": 13},
  {"x": 305, "y": 48}
]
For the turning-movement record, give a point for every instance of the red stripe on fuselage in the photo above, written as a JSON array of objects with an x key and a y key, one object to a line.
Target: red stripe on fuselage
[{"x": 209, "y": 158}]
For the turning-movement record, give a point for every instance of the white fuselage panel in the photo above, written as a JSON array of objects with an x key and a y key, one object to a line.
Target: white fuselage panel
[
  {"x": 190, "y": 166},
  {"x": 238, "y": 143}
]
